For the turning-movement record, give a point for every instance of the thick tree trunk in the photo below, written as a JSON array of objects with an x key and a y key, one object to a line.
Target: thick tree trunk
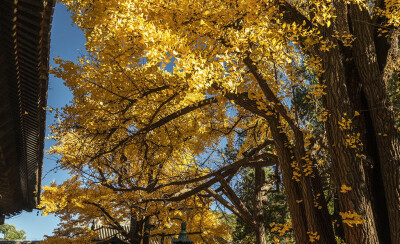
[
  {"x": 136, "y": 230},
  {"x": 349, "y": 172},
  {"x": 146, "y": 235},
  {"x": 347, "y": 168},
  {"x": 369, "y": 149},
  {"x": 370, "y": 64},
  {"x": 387, "y": 137},
  {"x": 261, "y": 236}
]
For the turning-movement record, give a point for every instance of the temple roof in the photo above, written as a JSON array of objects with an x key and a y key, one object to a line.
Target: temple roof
[{"x": 24, "y": 63}]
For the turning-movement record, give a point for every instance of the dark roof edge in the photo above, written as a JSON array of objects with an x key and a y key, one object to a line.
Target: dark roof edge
[{"x": 44, "y": 73}]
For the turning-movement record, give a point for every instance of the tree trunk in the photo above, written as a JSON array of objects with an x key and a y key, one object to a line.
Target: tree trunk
[
  {"x": 349, "y": 165},
  {"x": 292, "y": 188},
  {"x": 386, "y": 134},
  {"x": 136, "y": 230},
  {"x": 146, "y": 235},
  {"x": 304, "y": 220},
  {"x": 338, "y": 225},
  {"x": 347, "y": 168},
  {"x": 162, "y": 238},
  {"x": 259, "y": 178},
  {"x": 319, "y": 224},
  {"x": 323, "y": 216},
  {"x": 301, "y": 195}
]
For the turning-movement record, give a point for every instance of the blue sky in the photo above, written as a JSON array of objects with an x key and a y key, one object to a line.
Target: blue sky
[{"x": 67, "y": 42}]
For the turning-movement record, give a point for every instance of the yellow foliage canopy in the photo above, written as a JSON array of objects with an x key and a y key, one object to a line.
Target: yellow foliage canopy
[{"x": 164, "y": 81}]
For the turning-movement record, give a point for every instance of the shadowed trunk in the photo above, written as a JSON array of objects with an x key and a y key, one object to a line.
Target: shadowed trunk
[
  {"x": 366, "y": 57},
  {"x": 301, "y": 195},
  {"x": 259, "y": 179}
]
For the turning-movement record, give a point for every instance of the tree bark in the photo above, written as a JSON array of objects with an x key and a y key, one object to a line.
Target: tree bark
[
  {"x": 338, "y": 225},
  {"x": 135, "y": 233},
  {"x": 346, "y": 167},
  {"x": 318, "y": 220},
  {"x": 380, "y": 107},
  {"x": 292, "y": 188},
  {"x": 259, "y": 178},
  {"x": 146, "y": 235}
]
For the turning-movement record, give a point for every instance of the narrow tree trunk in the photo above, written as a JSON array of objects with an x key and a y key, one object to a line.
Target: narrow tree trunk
[
  {"x": 292, "y": 188},
  {"x": 259, "y": 179},
  {"x": 319, "y": 225},
  {"x": 323, "y": 217},
  {"x": 303, "y": 200}
]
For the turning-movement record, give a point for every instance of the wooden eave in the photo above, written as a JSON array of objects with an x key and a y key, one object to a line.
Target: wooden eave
[{"x": 24, "y": 63}]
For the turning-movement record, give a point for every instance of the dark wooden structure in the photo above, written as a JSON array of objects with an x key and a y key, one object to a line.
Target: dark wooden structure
[{"x": 24, "y": 64}]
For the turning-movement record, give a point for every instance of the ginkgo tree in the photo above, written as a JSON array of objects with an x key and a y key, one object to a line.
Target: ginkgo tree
[
  {"x": 88, "y": 203},
  {"x": 235, "y": 66}
]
